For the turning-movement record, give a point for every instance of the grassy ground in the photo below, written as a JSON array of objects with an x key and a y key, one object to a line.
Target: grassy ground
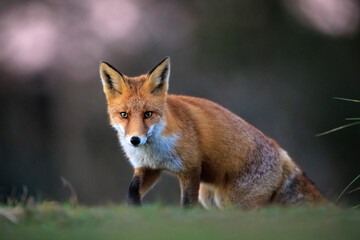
[{"x": 54, "y": 221}]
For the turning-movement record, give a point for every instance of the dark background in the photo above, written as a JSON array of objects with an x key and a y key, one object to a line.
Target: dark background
[{"x": 277, "y": 64}]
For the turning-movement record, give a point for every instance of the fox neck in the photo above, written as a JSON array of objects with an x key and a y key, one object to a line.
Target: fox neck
[{"x": 157, "y": 153}]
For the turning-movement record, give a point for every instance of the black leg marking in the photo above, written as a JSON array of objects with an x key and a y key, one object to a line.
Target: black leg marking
[
  {"x": 133, "y": 196},
  {"x": 273, "y": 195},
  {"x": 185, "y": 201}
]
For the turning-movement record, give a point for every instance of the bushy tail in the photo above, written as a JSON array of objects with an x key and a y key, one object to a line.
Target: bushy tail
[{"x": 296, "y": 188}]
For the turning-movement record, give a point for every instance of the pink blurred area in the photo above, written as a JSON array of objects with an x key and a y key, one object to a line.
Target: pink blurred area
[
  {"x": 331, "y": 17},
  {"x": 39, "y": 35}
]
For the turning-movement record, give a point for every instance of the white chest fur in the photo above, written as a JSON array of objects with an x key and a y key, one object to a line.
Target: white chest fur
[{"x": 157, "y": 153}]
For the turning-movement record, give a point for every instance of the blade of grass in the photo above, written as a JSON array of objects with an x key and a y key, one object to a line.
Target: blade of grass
[
  {"x": 352, "y": 119},
  {"x": 356, "y": 206},
  {"x": 346, "y": 99},
  {"x": 73, "y": 197},
  {"x": 354, "y": 190},
  {"x": 338, "y": 128},
  {"x": 358, "y": 176}
]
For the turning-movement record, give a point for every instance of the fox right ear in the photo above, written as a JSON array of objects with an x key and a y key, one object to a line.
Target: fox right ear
[
  {"x": 158, "y": 78},
  {"x": 113, "y": 81}
]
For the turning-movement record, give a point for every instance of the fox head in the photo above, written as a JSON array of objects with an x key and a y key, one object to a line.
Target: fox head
[{"x": 136, "y": 105}]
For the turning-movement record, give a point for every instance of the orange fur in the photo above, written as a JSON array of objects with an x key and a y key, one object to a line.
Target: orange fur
[{"x": 218, "y": 157}]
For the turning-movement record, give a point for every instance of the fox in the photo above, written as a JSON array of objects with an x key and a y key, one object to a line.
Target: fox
[{"x": 219, "y": 159}]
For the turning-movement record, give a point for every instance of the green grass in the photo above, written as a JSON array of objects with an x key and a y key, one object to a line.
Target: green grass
[
  {"x": 356, "y": 119},
  {"x": 53, "y": 221}
]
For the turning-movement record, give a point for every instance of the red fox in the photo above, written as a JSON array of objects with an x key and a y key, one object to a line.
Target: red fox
[{"x": 219, "y": 159}]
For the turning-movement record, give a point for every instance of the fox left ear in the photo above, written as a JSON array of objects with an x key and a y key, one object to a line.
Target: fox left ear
[
  {"x": 113, "y": 81},
  {"x": 158, "y": 80}
]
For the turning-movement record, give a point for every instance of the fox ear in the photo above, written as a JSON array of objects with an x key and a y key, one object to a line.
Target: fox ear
[
  {"x": 113, "y": 81},
  {"x": 158, "y": 78}
]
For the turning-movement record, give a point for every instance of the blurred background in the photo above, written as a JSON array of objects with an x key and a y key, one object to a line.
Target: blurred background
[{"x": 278, "y": 64}]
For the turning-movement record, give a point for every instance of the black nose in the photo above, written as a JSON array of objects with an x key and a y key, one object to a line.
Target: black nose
[{"x": 135, "y": 141}]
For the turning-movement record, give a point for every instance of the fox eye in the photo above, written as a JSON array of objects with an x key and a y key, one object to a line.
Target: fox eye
[
  {"x": 148, "y": 114},
  {"x": 124, "y": 115}
]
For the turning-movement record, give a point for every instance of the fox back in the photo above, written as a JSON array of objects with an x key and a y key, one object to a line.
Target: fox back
[{"x": 219, "y": 158}]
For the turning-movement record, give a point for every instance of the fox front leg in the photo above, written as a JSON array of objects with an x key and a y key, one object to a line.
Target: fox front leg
[
  {"x": 190, "y": 184},
  {"x": 133, "y": 196},
  {"x": 142, "y": 181}
]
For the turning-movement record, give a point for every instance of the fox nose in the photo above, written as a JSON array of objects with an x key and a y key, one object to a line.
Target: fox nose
[{"x": 135, "y": 141}]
